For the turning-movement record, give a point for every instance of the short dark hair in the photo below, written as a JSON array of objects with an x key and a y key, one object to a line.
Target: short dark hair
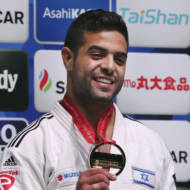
[{"x": 93, "y": 21}]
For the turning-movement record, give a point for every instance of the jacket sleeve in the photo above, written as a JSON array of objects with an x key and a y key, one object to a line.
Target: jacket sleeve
[
  {"x": 21, "y": 168},
  {"x": 168, "y": 175}
]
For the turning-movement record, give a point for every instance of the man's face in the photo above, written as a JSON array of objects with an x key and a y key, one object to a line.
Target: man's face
[{"x": 99, "y": 68}]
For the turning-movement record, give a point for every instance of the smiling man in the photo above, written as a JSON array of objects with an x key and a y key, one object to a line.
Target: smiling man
[
  {"x": 85, "y": 143},
  {"x": 96, "y": 75}
]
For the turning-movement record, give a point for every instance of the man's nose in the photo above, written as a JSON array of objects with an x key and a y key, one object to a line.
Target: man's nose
[{"x": 108, "y": 65}]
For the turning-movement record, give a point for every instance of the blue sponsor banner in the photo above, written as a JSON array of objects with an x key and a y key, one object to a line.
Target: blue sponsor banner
[
  {"x": 9, "y": 127},
  {"x": 53, "y": 17}
]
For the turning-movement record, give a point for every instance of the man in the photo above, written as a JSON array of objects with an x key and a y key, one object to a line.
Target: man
[{"x": 53, "y": 152}]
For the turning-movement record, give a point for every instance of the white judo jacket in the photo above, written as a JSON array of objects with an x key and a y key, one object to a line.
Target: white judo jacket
[{"x": 51, "y": 153}]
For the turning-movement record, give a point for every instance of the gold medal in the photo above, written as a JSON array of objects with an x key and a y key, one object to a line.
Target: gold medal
[{"x": 100, "y": 158}]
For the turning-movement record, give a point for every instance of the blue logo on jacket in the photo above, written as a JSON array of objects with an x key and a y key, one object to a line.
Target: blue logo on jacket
[
  {"x": 71, "y": 174},
  {"x": 144, "y": 177}
]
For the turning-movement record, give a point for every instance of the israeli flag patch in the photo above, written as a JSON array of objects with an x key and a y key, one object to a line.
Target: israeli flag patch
[{"x": 144, "y": 177}]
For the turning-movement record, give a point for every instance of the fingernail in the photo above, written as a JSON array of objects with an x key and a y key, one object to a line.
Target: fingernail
[{"x": 114, "y": 177}]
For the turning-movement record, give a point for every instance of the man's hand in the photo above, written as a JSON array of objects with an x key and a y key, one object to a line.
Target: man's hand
[{"x": 95, "y": 179}]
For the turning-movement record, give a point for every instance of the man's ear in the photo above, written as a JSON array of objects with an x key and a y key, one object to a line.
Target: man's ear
[{"x": 68, "y": 58}]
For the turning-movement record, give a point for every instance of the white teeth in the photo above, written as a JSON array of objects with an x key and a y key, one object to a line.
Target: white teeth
[{"x": 103, "y": 80}]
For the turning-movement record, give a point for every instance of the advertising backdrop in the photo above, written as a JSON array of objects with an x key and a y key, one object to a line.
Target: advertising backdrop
[{"x": 156, "y": 88}]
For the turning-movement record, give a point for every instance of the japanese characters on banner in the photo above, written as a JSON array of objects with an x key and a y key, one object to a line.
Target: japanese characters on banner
[{"x": 156, "y": 83}]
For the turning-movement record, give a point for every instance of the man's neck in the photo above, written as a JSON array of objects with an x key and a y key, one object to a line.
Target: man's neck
[{"x": 92, "y": 111}]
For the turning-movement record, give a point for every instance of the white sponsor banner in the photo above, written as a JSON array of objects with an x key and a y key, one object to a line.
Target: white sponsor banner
[
  {"x": 162, "y": 23},
  {"x": 176, "y": 137},
  {"x": 49, "y": 79},
  {"x": 156, "y": 84},
  {"x": 14, "y": 20}
]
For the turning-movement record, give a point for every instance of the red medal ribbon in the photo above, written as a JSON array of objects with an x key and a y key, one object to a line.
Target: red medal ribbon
[{"x": 85, "y": 128}]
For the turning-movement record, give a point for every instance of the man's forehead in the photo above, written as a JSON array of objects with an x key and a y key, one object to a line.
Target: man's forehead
[
  {"x": 89, "y": 34},
  {"x": 102, "y": 37}
]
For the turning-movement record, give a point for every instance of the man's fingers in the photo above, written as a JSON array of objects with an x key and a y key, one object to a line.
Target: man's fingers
[
  {"x": 95, "y": 171},
  {"x": 99, "y": 186},
  {"x": 98, "y": 178},
  {"x": 95, "y": 179}
]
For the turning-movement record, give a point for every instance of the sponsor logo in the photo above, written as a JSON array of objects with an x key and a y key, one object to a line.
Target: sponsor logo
[
  {"x": 180, "y": 156},
  {"x": 7, "y": 179},
  {"x": 144, "y": 177},
  {"x": 71, "y": 174},
  {"x": 10, "y": 162},
  {"x": 156, "y": 84},
  {"x": 8, "y": 81},
  {"x": 11, "y": 17},
  {"x": 9, "y": 127},
  {"x": 168, "y": 83},
  {"x": 67, "y": 177},
  {"x": 56, "y": 14},
  {"x": 50, "y": 79},
  {"x": 61, "y": 177},
  {"x": 45, "y": 81},
  {"x": 13, "y": 81},
  {"x": 70, "y": 13},
  {"x": 10, "y": 172},
  {"x": 156, "y": 23},
  {"x": 154, "y": 16},
  {"x": 14, "y": 19}
]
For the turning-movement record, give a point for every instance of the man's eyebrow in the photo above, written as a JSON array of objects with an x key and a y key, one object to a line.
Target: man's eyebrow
[{"x": 95, "y": 47}]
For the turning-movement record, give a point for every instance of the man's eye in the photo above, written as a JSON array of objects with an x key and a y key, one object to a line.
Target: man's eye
[
  {"x": 97, "y": 55},
  {"x": 120, "y": 60}
]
